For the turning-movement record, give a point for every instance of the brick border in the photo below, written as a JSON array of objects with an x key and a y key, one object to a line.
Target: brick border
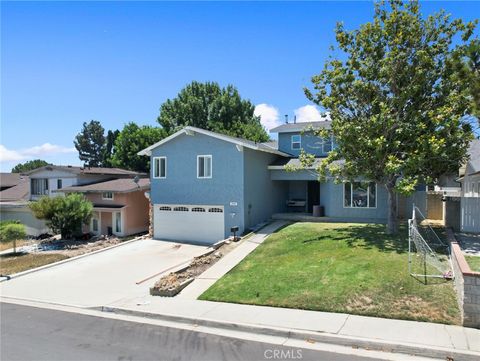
[{"x": 467, "y": 284}]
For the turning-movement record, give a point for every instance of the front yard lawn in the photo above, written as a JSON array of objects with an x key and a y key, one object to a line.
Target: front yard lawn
[
  {"x": 473, "y": 262},
  {"x": 337, "y": 267},
  {"x": 11, "y": 263}
]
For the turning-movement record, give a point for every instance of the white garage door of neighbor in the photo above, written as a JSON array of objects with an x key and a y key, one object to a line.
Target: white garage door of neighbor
[{"x": 191, "y": 223}]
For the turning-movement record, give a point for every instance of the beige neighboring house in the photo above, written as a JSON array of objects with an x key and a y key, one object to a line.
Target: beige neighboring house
[
  {"x": 121, "y": 206},
  {"x": 14, "y": 198}
]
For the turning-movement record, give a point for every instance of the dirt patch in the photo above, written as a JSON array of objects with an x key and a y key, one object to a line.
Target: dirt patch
[
  {"x": 360, "y": 303},
  {"x": 72, "y": 248},
  {"x": 174, "y": 282}
]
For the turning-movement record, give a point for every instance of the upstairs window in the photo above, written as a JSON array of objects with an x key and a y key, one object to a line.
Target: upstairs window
[
  {"x": 204, "y": 166},
  {"x": 160, "y": 167},
  {"x": 107, "y": 195},
  {"x": 360, "y": 195},
  {"x": 296, "y": 141},
  {"x": 59, "y": 184}
]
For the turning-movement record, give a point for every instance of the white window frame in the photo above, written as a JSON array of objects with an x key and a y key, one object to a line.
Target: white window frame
[
  {"x": 107, "y": 198},
  {"x": 299, "y": 142},
  {"x": 114, "y": 223},
  {"x": 368, "y": 195},
  {"x": 159, "y": 170},
  {"x": 211, "y": 166},
  {"x": 38, "y": 189},
  {"x": 98, "y": 217},
  {"x": 94, "y": 223}
]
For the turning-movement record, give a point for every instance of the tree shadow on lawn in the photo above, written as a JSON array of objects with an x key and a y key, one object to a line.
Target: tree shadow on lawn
[
  {"x": 369, "y": 236},
  {"x": 13, "y": 255}
]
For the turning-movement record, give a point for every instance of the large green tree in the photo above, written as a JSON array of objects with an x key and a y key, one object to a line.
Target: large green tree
[
  {"x": 64, "y": 215},
  {"x": 211, "y": 107},
  {"x": 396, "y": 105},
  {"x": 90, "y": 143},
  {"x": 467, "y": 62},
  {"x": 29, "y": 165},
  {"x": 130, "y": 141}
]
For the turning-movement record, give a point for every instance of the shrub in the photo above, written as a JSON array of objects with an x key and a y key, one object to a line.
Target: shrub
[
  {"x": 11, "y": 231},
  {"x": 64, "y": 215}
]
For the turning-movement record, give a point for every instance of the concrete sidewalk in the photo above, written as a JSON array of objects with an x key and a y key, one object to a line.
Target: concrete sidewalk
[{"x": 415, "y": 338}]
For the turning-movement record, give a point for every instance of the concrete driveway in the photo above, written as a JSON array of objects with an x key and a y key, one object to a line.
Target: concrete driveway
[{"x": 104, "y": 277}]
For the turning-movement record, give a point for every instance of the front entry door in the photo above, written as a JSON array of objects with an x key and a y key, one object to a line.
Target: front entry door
[{"x": 313, "y": 195}]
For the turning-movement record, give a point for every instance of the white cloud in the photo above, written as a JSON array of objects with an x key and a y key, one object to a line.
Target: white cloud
[
  {"x": 309, "y": 113},
  {"x": 7, "y": 155},
  {"x": 269, "y": 116},
  {"x": 46, "y": 149}
]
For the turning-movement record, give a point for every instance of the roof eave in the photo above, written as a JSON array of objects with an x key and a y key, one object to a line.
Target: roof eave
[
  {"x": 66, "y": 190},
  {"x": 187, "y": 129}
]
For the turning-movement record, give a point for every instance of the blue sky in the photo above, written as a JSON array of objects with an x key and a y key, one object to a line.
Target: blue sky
[{"x": 64, "y": 63}]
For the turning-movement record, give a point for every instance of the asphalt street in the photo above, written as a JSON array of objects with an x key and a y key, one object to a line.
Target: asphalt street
[{"x": 29, "y": 333}]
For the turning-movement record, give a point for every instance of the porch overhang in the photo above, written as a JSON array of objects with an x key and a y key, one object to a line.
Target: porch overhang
[{"x": 107, "y": 208}]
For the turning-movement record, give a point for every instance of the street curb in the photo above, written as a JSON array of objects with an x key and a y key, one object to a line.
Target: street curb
[
  {"x": 298, "y": 334},
  {"x": 20, "y": 274}
]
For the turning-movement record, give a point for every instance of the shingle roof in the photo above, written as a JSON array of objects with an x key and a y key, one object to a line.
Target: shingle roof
[
  {"x": 19, "y": 192},
  {"x": 238, "y": 141},
  {"x": 86, "y": 170},
  {"x": 297, "y": 127},
  {"x": 123, "y": 185},
  {"x": 474, "y": 152},
  {"x": 280, "y": 163},
  {"x": 9, "y": 179},
  {"x": 272, "y": 144}
]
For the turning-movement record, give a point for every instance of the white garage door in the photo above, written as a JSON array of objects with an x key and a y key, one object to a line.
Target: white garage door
[{"x": 192, "y": 223}]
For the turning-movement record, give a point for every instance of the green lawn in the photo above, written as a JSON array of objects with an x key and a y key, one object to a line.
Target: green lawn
[
  {"x": 337, "y": 267},
  {"x": 473, "y": 262},
  {"x": 13, "y": 263}
]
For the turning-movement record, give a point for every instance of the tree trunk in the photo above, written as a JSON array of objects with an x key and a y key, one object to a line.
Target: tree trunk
[
  {"x": 392, "y": 219},
  {"x": 14, "y": 246}
]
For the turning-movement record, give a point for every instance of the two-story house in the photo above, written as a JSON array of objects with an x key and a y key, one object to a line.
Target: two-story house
[
  {"x": 14, "y": 198},
  {"x": 204, "y": 183},
  {"x": 50, "y": 179},
  {"x": 120, "y": 206},
  {"x": 122, "y": 201}
]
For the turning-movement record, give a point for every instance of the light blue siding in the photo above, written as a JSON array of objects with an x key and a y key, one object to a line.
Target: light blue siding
[
  {"x": 263, "y": 197},
  {"x": 309, "y": 142},
  {"x": 331, "y": 197},
  {"x": 181, "y": 186},
  {"x": 280, "y": 174}
]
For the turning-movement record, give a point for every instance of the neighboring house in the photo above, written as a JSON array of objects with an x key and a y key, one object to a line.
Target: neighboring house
[
  {"x": 470, "y": 195},
  {"x": 49, "y": 181},
  {"x": 14, "y": 198},
  {"x": 120, "y": 206},
  {"x": 204, "y": 183}
]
